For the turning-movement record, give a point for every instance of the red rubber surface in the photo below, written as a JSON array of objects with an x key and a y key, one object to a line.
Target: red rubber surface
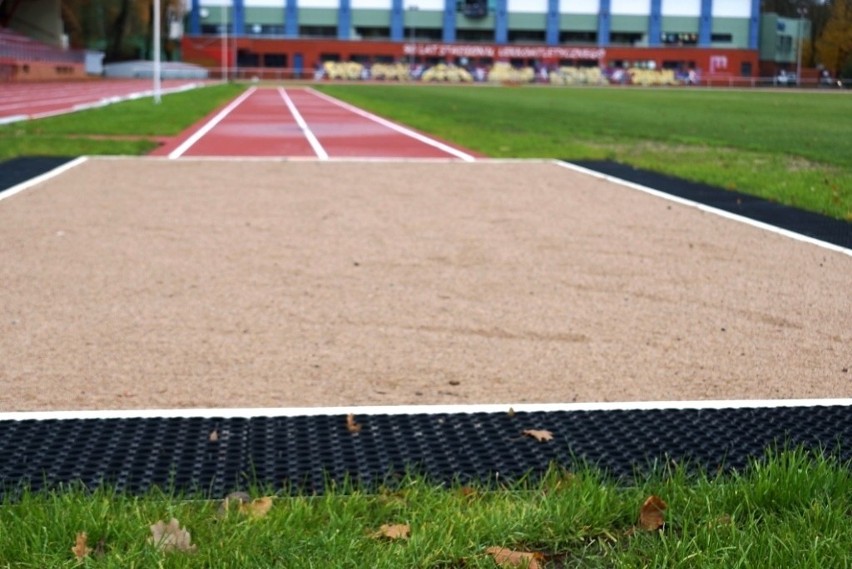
[
  {"x": 34, "y": 100},
  {"x": 263, "y": 125}
]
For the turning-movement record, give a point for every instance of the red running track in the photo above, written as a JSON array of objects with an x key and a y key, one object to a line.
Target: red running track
[
  {"x": 22, "y": 101},
  {"x": 303, "y": 123}
]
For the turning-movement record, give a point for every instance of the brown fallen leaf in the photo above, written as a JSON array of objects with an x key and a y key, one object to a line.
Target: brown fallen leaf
[
  {"x": 393, "y": 531},
  {"x": 508, "y": 558},
  {"x": 511, "y": 412},
  {"x": 257, "y": 508},
  {"x": 171, "y": 537},
  {"x": 351, "y": 425},
  {"x": 651, "y": 517},
  {"x": 81, "y": 548},
  {"x": 539, "y": 435},
  {"x": 213, "y": 436}
]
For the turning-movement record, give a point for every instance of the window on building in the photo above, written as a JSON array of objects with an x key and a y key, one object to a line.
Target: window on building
[
  {"x": 625, "y": 38},
  {"x": 679, "y": 38},
  {"x": 318, "y": 31},
  {"x": 679, "y": 65},
  {"x": 578, "y": 37},
  {"x": 275, "y": 60},
  {"x": 373, "y": 33},
  {"x": 473, "y": 8},
  {"x": 423, "y": 34},
  {"x": 463, "y": 35},
  {"x": 246, "y": 58},
  {"x": 265, "y": 29},
  {"x": 784, "y": 44},
  {"x": 722, "y": 38},
  {"x": 526, "y": 36},
  {"x": 329, "y": 57},
  {"x": 745, "y": 69}
]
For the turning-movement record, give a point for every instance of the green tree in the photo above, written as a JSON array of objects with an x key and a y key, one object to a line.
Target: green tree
[{"x": 833, "y": 48}]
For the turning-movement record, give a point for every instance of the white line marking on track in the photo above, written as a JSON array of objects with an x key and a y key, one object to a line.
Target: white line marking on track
[
  {"x": 393, "y": 126},
  {"x": 420, "y": 409},
  {"x": 709, "y": 209},
  {"x": 41, "y": 178},
  {"x": 306, "y": 130},
  {"x": 189, "y": 142}
]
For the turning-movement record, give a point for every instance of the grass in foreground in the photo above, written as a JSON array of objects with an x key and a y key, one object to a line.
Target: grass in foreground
[
  {"x": 128, "y": 128},
  {"x": 794, "y": 148},
  {"x": 791, "y": 510}
]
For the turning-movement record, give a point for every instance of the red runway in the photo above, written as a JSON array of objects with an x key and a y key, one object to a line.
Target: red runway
[
  {"x": 21, "y": 101},
  {"x": 303, "y": 123}
]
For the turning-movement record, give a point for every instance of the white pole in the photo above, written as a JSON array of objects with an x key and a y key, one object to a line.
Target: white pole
[
  {"x": 224, "y": 43},
  {"x": 156, "y": 24}
]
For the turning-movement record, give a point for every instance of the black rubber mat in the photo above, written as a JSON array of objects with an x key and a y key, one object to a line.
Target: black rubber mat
[
  {"x": 18, "y": 170},
  {"x": 305, "y": 454},
  {"x": 813, "y": 225}
]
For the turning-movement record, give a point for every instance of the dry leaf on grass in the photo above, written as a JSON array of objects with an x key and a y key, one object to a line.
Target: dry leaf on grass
[
  {"x": 393, "y": 531},
  {"x": 351, "y": 425},
  {"x": 539, "y": 435},
  {"x": 256, "y": 508},
  {"x": 508, "y": 558},
  {"x": 171, "y": 537},
  {"x": 81, "y": 548},
  {"x": 651, "y": 517}
]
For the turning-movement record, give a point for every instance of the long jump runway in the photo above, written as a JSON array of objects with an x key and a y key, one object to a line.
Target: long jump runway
[
  {"x": 303, "y": 123},
  {"x": 264, "y": 300}
]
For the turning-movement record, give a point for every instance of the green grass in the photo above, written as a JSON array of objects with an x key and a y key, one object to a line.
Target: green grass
[
  {"x": 791, "y": 147},
  {"x": 128, "y": 128},
  {"x": 791, "y": 510}
]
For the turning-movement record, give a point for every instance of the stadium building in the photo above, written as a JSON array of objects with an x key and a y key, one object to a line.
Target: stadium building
[{"x": 556, "y": 40}]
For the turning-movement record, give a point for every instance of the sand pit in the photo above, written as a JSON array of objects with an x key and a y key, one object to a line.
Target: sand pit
[{"x": 142, "y": 283}]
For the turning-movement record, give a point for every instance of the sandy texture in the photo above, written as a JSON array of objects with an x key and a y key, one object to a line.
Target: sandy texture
[{"x": 139, "y": 283}]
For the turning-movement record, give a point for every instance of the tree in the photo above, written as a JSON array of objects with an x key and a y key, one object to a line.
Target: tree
[{"x": 833, "y": 49}]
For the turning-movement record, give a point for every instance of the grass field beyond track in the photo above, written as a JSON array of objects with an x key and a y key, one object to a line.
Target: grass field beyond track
[
  {"x": 794, "y": 148},
  {"x": 789, "y": 511}
]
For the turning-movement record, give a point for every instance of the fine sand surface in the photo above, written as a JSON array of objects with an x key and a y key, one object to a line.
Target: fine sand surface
[{"x": 142, "y": 283}]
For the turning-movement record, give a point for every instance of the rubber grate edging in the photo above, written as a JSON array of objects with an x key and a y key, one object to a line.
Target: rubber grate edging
[
  {"x": 19, "y": 170},
  {"x": 305, "y": 454},
  {"x": 813, "y": 225}
]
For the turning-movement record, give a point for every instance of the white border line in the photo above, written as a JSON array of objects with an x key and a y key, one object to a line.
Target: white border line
[
  {"x": 708, "y": 209},
  {"x": 8, "y": 193},
  {"x": 303, "y": 126},
  {"x": 197, "y": 135},
  {"x": 393, "y": 126},
  {"x": 247, "y": 413}
]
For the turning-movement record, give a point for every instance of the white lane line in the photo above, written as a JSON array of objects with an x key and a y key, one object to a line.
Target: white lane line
[
  {"x": 421, "y": 409},
  {"x": 393, "y": 126},
  {"x": 709, "y": 209},
  {"x": 315, "y": 144},
  {"x": 189, "y": 142},
  {"x": 4, "y": 194}
]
